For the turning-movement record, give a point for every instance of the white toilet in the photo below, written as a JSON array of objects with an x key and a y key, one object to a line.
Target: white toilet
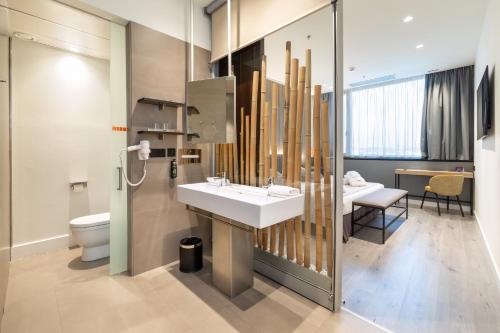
[{"x": 91, "y": 232}]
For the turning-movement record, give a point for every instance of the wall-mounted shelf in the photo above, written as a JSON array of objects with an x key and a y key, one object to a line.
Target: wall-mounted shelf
[
  {"x": 161, "y": 103},
  {"x": 160, "y": 132},
  {"x": 192, "y": 110}
]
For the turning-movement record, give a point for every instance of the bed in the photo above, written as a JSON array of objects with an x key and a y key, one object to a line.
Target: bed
[{"x": 350, "y": 193}]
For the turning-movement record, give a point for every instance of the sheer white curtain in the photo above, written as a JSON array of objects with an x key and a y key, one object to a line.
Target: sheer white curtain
[{"x": 384, "y": 120}]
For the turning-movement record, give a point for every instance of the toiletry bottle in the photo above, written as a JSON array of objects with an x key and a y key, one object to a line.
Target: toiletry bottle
[{"x": 173, "y": 169}]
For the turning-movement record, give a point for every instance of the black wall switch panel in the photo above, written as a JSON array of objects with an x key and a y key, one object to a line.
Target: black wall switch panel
[
  {"x": 157, "y": 152},
  {"x": 170, "y": 152}
]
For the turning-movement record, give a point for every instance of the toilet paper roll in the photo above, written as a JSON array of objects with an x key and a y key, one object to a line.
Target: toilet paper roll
[{"x": 78, "y": 187}]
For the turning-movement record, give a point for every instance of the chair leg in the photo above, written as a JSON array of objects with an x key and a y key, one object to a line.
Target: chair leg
[
  {"x": 447, "y": 204},
  {"x": 439, "y": 208},
  {"x": 460, "y": 205},
  {"x": 423, "y": 199}
]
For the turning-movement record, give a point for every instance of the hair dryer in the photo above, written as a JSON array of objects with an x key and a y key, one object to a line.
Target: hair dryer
[{"x": 143, "y": 151}]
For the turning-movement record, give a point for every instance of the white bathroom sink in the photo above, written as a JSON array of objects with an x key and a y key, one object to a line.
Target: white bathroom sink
[{"x": 246, "y": 204}]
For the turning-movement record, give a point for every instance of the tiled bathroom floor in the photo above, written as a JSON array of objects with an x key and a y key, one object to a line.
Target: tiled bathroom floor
[{"x": 58, "y": 293}]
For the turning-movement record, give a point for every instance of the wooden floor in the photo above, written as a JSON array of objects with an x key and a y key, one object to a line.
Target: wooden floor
[
  {"x": 56, "y": 292},
  {"x": 432, "y": 275}
]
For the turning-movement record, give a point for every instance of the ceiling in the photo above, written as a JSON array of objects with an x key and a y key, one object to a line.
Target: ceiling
[
  {"x": 378, "y": 43},
  {"x": 313, "y": 32},
  {"x": 57, "y": 25}
]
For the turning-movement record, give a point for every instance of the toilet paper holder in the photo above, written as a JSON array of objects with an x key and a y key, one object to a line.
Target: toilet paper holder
[{"x": 74, "y": 186}]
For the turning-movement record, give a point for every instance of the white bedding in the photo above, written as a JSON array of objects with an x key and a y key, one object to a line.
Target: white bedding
[{"x": 351, "y": 193}]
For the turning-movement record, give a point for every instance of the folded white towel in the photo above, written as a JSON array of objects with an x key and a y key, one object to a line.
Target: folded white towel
[
  {"x": 216, "y": 181},
  {"x": 282, "y": 191},
  {"x": 357, "y": 181},
  {"x": 352, "y": 174}
]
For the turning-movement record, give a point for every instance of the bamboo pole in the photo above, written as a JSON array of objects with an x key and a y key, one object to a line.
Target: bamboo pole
[
  {"x": 242, "y": 145},
  {"x": 217, "y": 159},
  {"x": 235, "y": 163},
  {"x": 327, "y": 186},
  {"x": 226, "y": 161},
  {"x": 284, "y": 157},
  {"x": 291, "y": 152},
  {"x": 230, "y": 160},
  {"x": 284, "y": 161},
  {"x": 247, "y": 166},
  {"x": 247, "y": 150},
  {"x": 307, "y": 164},
  {"x": 267, "y": 170},
  {"x": 274, "y": 154},
  {"x": 253, "y": 128},
  {"x": 299, "y": 250},
  {"x": 317, "y": 181},
  {"x": 261, "y": 116}
]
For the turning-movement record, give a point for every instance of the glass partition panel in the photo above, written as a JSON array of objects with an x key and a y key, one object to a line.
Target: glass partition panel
[
  {"x": 285, "y": 88},
  {"x": 118, "y": 205}
]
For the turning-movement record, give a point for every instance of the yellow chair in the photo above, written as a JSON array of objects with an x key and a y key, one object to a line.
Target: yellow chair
[{"x": 445, "y": 185}]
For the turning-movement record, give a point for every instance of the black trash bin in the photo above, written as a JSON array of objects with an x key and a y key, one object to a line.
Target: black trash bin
[{"x": 190, "y": 254}]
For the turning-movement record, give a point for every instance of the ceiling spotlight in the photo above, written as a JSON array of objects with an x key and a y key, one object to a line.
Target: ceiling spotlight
[
  {"x": 408, "y": 19},
  {"x": 24, "y": 36},
  {"x": 419, "y": 46},
  {"x": 351, "y": 68}
]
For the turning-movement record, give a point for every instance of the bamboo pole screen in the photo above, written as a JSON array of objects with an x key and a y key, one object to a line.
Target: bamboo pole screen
[
  {"x": 307, "y": 164},
  {"x": 306, "y": 130}
]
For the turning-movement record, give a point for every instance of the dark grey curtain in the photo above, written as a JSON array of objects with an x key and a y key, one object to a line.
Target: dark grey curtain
[{"x": 447, "y": 124}]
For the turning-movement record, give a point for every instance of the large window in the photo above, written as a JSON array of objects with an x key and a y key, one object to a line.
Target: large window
[{"x": 384, "y": 121}]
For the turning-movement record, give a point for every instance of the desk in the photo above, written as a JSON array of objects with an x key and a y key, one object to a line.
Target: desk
[{"x": 431, "y": 173}]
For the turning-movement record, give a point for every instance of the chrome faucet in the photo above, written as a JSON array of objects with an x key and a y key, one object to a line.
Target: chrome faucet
[
  {"x": 268, "y": 182},
  {"x": 223, "y": 179}
]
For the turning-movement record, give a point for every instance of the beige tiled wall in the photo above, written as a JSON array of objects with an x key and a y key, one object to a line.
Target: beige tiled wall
[{"x": 158, "y": 222}]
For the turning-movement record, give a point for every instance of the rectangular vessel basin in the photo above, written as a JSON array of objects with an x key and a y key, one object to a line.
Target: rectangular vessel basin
[{"x": 246, "y": 204}]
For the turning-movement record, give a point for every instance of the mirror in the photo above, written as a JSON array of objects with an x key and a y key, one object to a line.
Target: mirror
[{"x": 211, "y": 110}]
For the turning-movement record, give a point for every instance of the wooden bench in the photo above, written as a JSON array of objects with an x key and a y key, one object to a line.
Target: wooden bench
[{"x": 381, "y": 199}]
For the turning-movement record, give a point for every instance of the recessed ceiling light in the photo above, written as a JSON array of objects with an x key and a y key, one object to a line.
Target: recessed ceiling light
[
  {"x": 419, "y": 46},
  {"x": 408, "y": 19},
  {"x": 351, "y": 68},
  {"x": 24, "y": 36}
]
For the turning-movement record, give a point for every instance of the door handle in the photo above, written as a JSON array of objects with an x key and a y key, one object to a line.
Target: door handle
[{"x": 120, "y": 181}]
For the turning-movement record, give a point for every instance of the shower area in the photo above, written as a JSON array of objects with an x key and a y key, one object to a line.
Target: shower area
[{"x": 287, "y": 121}]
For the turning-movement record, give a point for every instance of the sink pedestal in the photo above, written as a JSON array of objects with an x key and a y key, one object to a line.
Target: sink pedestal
[{"x": 232, "y": 256}]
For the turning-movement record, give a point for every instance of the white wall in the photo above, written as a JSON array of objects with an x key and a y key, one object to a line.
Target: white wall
[
  {"x": 487, "y": 151},
  {"x": 61, "y": 132},
  {"x": 168, "y": 16}
]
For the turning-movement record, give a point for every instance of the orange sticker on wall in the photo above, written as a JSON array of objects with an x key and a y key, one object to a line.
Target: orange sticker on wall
[{"x": 119, "y": 129}]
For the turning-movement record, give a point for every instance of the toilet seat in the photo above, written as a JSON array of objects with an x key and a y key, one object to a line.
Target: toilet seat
[{"x": 95, "y": 221}]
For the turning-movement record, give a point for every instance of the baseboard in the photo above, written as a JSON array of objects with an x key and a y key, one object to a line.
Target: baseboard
[
  {"x": 490, "y": 253},
  {"x": 40, "y": 246}
]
